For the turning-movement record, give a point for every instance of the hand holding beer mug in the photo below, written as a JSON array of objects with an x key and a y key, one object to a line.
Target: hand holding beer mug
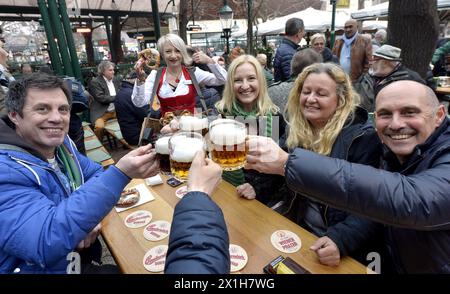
[
  {"x": 182, "y": 148},
  {"x": 228, "y": 147}
]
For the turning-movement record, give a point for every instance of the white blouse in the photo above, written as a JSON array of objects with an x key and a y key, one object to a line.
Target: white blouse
[{"x": 141, "y": 94}]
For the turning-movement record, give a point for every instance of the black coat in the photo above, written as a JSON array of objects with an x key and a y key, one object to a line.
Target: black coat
[
  {"x": 198, "y": 241},
  {"x": 282, "y": 61},
  {"x": 359, "y": 143},
  {"x": 130, "y": 117},
  {"x": 412, "y": 200},
  {"x": 267, "y": 186}
]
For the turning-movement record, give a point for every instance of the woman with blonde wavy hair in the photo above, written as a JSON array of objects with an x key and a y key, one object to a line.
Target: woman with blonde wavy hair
[
  {"x": 324, "y": 117},
  {"x": 315, "y": 122},
  {"x": 245, "y": 98}
]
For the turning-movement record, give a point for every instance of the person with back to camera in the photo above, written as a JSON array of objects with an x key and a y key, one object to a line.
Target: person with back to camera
[
  {"x": 410, "y": 195},
  {"x": 294, "y": 30},
  {"x": 198, "y": 240}
]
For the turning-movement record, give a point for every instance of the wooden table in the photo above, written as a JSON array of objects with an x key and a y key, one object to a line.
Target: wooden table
[
  {"x": 250, "y": 225},
  {"x": 443, "y": 90}
]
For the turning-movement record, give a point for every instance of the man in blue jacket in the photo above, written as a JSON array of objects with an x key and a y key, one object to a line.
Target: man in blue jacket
[
  {"x": 410, "y": 195},
  {"x": 294, "y": 30},
  {"x": 52, "y": 197}
]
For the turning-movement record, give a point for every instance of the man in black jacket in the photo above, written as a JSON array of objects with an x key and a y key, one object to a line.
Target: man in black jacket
[
  {"x": 411, "y": 195},
  {"x": 129, "y": 116},
  {"x": 294, "y": 30},
  {"x": 385, "y": 67}
]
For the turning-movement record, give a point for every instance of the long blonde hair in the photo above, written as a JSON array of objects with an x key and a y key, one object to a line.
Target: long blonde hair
[
  {"x": 264, "y": 104},
  {"x": 301, "y": 132}
]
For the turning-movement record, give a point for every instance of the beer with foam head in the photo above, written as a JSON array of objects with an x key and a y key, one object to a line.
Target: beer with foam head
[
  {"x": 162, "y": 149},
  {"x": 194, "y": 124},
  {"x": 182, "y": 147},
  {"x": 228, "y": 148}
]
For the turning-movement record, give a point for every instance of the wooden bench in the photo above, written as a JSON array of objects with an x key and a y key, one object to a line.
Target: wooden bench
[
  {"x": 113, "y": 129},
  {"x": 95, "y": 149}
]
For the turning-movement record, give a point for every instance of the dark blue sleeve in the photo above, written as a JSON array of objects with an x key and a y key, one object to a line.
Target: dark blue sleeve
[{"x": 198, "y": 242}]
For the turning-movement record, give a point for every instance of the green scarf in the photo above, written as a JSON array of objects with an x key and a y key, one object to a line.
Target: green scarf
[
  {"x": 237, "y": 177},
  {"x": 70, "y": 167}
]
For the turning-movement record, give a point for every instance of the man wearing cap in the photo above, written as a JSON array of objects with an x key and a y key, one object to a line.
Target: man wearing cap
[{"x": 385, "y": 67}]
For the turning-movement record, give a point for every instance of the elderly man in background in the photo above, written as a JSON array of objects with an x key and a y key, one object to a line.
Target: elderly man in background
[
  {"x": 103, "y": 89},
  {"x": 379, "y": 39},
  {"x": 385, "y": 67}
]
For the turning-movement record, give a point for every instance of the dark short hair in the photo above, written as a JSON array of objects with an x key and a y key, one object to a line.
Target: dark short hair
[
  {"x": 304, "y": 58},
  {"x": 18, "y": 90},
  {"x": 293, "y": 26}
]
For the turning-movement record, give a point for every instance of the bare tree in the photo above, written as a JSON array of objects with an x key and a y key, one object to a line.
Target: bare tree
[{"x": 413, "y": 26}]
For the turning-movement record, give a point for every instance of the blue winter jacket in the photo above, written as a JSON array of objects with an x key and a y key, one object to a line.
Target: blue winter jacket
[
  {"x": 412, "y": 200},
  {"x": 282, "y": 61},
  {"x": 40, "y": 221},
  {"x": 198, "y": 239}
]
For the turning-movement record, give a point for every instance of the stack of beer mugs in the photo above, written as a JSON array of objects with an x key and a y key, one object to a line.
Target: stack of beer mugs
[
  {"x": 182, "y": 148},
  {"x": 226, "y": 145},
  {"x": 227, "y": 148}
]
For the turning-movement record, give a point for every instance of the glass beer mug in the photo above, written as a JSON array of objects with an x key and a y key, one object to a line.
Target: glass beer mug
[
  {"x": 182, "y": 148},
  {"x": 227, "y": 138}
]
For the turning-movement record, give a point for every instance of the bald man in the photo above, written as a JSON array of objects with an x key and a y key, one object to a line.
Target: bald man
[
  {"x": 410, "y": 194},
  {"x": 353, "y": 50}
]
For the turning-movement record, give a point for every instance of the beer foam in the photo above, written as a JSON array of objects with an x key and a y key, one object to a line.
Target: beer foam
[
  {"x": 185, "y": 149},
  {"x": 162, "y": 145},
  {"x": 193, "y": 123},
  {"x": 227, "y": 134}
]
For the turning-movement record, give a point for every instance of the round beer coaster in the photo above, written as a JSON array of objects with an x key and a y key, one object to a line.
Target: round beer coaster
[
  {"x": 286, "y": 241},
  {"x": 180, "y": 192},
  {"x": 157, "y": 230},
  {"x": 138, "y": 219},
  {"x": 238, "y": 258},
  {"x": 155, "y": 258}
]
